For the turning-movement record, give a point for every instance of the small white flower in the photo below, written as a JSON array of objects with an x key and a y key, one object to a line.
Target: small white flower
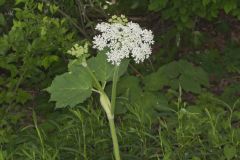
[{"x": 123, "y": 41}]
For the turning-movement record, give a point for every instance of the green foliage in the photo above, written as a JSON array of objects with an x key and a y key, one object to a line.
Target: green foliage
[
  {"x": 2, "y": 20},
  {"x": 231, "y": 93},
  {"x": 219, "y": 64},
  {"x": 147, "y": 102},
  {"x": 4, "y": 45},
  {"x": 34, "y": 43},
  {"x": 2, "y": 2},
  {"x": 184, "y": 13},
  {"x": 103, "y": 69},
  {"x": 200, "y": 131},
  {"x": 157, "y": 5},
  {"x": 229, "y": 151},
  {"x": 154, "y": 120},
  {"x": 232, "y": 60},
  {"x": 80, "y": 82},
  {"x": 71, "y": 88},
  {"x": 211, "y": 61},
  {"x": 177, "y": 73},
  {"x": 181, "y": 23},
  {"x": 129, "y": 7}
]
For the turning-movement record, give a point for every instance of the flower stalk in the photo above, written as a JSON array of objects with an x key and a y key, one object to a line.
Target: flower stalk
[
  {"x": 114, "y": 88},
  {"x": 110, "y": 115},
  {"x": 109, "y": 107},
  {"x": 114, "y": 139}
]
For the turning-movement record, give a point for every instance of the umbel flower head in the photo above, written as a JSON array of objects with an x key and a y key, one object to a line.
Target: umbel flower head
[
  {"x": 123, "y": 39},
  {"x": 80, "y": 52}
]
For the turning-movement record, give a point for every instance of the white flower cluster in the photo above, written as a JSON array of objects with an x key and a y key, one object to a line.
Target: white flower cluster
[{"x": 122, "y": 41}]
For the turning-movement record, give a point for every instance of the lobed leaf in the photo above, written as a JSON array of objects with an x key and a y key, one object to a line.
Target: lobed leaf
[
  {"x": 71, "y": 88},
  {"x": 181, "y": 72},
  {"x": 104, "y": 69}
]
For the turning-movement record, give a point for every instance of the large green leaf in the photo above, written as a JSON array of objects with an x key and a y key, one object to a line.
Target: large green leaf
[
  {"x": 123, "y": 67},
  {"x": 71, "y": 88},
  {"x": 189, "y": 84},
  {"x": 75, "y": 66},
  {"x": 75, "y": 86},
  {"x": 103, "y": 69},
  {"x": 155, "y": 81},
  {"x": 171, "y": 70},
  {"x": 198, "y": 75},
  {"x": 146, "y": 102},
  {"x": 129, "y": 86},
  {"x": 181, "y": 72}
]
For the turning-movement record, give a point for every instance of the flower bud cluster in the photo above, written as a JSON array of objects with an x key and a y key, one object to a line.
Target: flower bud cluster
[
  {"x": 78, "y": 51},
  {"x": 115, "y": 19}
]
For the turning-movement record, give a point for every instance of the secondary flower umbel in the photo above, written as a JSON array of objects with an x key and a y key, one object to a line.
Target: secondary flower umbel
[{"x": 123, "y": 40}]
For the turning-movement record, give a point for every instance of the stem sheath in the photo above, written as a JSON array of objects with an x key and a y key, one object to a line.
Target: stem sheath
[{"x": 109, "y": 107}]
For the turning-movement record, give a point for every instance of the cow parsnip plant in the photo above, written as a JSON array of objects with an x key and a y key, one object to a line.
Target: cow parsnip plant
[{"x": 118, "y": 41}]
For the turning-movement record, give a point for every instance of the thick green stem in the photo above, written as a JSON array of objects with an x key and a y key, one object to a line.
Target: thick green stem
[
  {"x": 109, "y": 107},
  {"x": 114, "y": 88},
  {"x": 114, "y": 139}
]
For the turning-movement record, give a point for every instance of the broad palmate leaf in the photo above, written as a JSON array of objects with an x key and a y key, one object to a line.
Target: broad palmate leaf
[
  {"x": 190, "y": 77},
  {"x": 70, "y": 89}
]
